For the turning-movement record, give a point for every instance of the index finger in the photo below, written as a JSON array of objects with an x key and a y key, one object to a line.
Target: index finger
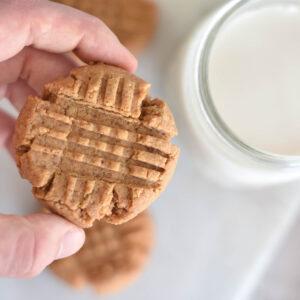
[{"x": 58, "y": 28}]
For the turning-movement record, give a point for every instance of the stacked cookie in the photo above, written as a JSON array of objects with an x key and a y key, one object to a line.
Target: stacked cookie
[
  {"x": 111, "y": 258},
  {"x": 133, "y": 21}
]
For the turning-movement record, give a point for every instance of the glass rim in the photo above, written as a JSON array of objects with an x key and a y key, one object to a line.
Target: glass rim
[{"x": 207, "y": 104}]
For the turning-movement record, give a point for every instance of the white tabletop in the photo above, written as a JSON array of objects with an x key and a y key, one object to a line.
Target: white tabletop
[{"x": 212, "y": 243}]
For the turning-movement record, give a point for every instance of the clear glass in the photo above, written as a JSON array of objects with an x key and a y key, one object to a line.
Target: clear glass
[{"x": 220, "y": 150}]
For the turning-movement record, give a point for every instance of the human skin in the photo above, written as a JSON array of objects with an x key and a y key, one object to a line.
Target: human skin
[{"x": 34, "y": 37}]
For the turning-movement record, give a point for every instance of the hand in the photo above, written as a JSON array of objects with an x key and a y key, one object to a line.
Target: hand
[{"x": 34, "y": 35}]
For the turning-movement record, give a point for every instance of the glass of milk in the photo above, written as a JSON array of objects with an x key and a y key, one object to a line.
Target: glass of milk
[{"x": 237, "y": 85}]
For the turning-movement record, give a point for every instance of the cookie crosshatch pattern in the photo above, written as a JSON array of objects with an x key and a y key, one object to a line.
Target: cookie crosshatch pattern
[
  {"x": 95, "y": 146},
  {"x": 133, "y": 21}
]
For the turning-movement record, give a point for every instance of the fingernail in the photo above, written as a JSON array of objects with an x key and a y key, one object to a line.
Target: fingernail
[{"x": 71, "y": 242}]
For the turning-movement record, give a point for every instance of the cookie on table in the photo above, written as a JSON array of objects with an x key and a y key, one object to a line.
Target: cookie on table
[
  {"x": 111, "y": 258},
  {"x": 95, "y": 146},
  {"x": 133, "y": 21}
]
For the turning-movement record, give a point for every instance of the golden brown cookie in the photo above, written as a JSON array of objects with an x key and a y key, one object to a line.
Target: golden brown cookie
[
  {"x": 111, "y": 258},
  {"x": 95, "y": 146},
  {"x": 133, "y": 21}
]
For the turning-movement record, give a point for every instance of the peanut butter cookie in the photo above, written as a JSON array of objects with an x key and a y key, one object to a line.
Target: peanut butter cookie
[
  {"x": 111, "y": 258},
  {"x": 96, "y": 146},
  {"x": 133, "y": 21}
]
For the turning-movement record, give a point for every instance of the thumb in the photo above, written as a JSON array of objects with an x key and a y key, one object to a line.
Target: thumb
[{"x": 29, "y": 244}]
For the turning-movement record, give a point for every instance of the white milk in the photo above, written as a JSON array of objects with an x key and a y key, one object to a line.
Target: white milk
[{"x": 254, "y": 77}]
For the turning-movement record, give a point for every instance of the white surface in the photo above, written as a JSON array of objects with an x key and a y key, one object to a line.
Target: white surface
[
  {"x": 211, "y": 243},
  {"x": 281, "y": 281},
  {"x": 254, "y": 73}
]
